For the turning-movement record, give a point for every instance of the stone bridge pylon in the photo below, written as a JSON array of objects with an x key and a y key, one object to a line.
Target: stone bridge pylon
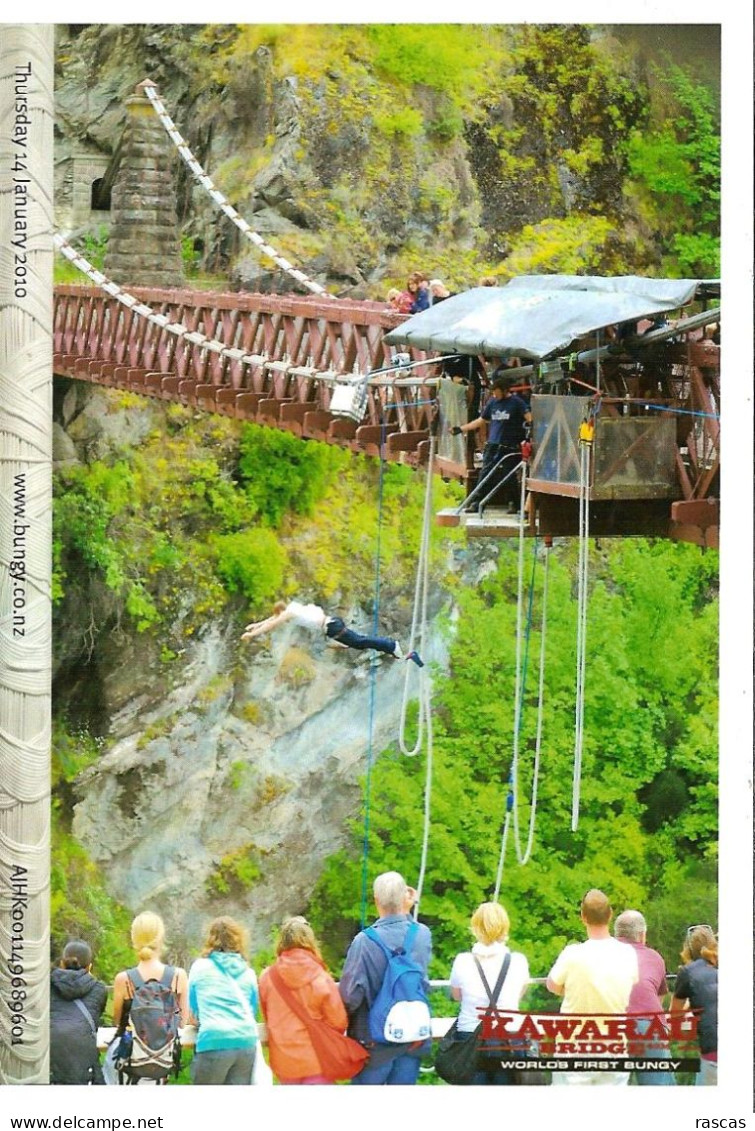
[{"x": 144, "y": 245}]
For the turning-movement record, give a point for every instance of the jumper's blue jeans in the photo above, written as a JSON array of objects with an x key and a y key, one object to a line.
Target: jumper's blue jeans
[{"x": 336, "y": 629}]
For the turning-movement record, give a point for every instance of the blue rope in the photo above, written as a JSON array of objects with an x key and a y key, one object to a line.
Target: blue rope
[
  {"x": 681, "y": 411},
  {"x": 373, "y": 687},
  {"x": 527, "y": 633}
]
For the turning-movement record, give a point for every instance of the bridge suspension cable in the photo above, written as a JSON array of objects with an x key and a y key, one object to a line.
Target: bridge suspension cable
[
  {"x": 202, "y": 178},
  {"x": 377, "y": 377}
]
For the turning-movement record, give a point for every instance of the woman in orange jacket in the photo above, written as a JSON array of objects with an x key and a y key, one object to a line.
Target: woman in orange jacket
[{"x": 299, "y": 964}]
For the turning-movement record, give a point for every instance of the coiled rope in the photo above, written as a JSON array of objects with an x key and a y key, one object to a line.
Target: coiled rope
[
  {"x": 202, "y": 178},
  {"x": 582, "y": 574},
  {"x": 523, "y": 859},
  {"x": 523, "y": 856},
  {"x": 418, "y": 636},
  {"x": 418, "y": 629},
  {"x": 512, "y": 799}
]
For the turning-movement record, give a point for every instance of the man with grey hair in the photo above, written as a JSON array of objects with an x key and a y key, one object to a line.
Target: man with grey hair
[
  {"x": 363, "y": 973},
  {"x": 630, "y": 927}
]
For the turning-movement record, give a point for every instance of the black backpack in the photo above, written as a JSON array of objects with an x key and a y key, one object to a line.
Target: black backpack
[
  {"x": 80, "y": 1056},
  {"x": 152, "y": 1048}
]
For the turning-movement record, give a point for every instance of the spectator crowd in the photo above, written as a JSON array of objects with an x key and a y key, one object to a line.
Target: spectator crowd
[
  {"x": 373, "y": 1026},
  {"x": 421, "y": 292}
]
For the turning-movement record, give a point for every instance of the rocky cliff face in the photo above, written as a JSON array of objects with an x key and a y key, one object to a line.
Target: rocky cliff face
[
  {"x": 228, "y": 795},
  {"x": 359, "y": 158},
  {"x": 229, "y": 774}
]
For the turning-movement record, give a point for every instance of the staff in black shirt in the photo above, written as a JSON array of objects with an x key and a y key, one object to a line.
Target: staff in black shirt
[{"x": 508, "y": 417}]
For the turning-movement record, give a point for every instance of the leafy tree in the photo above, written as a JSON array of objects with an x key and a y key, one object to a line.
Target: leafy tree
[
  {"x": 649, "y": 719},
  {"x": 676, "y": 165},
  {"x": 281, "y": 473},
  {"x": 251, "y": 562}
]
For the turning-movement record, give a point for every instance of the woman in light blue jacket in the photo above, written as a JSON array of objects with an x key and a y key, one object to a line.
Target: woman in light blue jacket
[{"x": 223, "y": 998}]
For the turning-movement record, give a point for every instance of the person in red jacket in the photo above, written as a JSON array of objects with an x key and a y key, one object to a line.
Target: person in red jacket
[{"x": 299, "y": 963}]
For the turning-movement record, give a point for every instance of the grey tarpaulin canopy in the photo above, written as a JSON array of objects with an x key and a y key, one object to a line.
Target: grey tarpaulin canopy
[{"x": 535, "y": 316}]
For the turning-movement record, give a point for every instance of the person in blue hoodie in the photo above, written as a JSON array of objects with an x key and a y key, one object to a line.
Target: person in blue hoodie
[{"x": 223, "y": 1000}]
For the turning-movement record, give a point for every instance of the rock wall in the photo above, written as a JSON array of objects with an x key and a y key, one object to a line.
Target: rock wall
[
  {"x": 228, "y": 776},
  {"x": 253, "y": 758},
  {"x": 349, "y": 182}
]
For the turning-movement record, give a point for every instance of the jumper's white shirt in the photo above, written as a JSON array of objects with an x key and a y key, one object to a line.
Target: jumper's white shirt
[{"x": 307, "y": 616}]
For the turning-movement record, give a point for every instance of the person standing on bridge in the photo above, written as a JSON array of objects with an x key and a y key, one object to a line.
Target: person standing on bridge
[
  {"x": 364, "y": 971},
  {"x": 316, "y": 619},
  {"x": 77, "y": 1000},
  {"x": 472, "y": 975},
  {"x": 646, "y": 996},
  {"x": 696, "y": 988},
  {"x": 509, "y": 418},
  {"x": 418, "y": 287}
]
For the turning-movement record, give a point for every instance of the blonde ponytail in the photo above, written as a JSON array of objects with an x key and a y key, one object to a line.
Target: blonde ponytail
[{"x": 147, "y": 935}]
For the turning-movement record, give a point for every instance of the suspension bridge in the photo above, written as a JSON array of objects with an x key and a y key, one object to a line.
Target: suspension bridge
[{"x": 324, "y": 368}]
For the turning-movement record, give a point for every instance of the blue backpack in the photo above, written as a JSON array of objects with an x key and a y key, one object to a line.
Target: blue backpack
[{"x": 400, "y": 1012}]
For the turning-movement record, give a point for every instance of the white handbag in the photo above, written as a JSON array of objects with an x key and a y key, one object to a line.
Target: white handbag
[{"x": 262, "y": 1073}]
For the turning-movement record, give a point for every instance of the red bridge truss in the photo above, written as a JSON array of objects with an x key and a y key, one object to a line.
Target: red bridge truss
[{"x": 295, "y": 352}]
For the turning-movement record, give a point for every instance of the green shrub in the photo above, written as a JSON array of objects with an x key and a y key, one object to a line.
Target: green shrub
[
  {"x": 236, "y": 872},
  {"x": 457, "y": 64},
  {"x": 237, "y": 774},
  {"x": 72, "y": 752},
  {"x": 251, "y": 563},
  {"x": 403, "y": 122},
  {"x": 280, "y": 472},
  {"x": 575, "y": 245}
]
